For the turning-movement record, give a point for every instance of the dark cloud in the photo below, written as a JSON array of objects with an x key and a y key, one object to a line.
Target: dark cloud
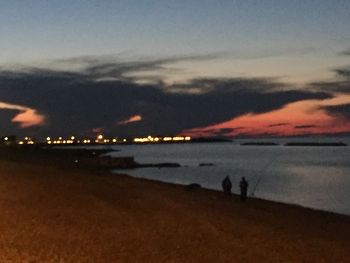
[
  {"x": 244, "y": 135},
  {"x": 115, "y": 68},
  {"x": 101, "y": 96},
  {"x": 279, "y": 124},
  {"x": 7, "y": 127},
  {"x": 304, "y": 126},
  {"x": 222, "y": 132},
  {"x": 346, "y": 52},
  {"x": 226, "y": 132},
  {"x": 271, "y": 53},
  {"x": 339, "y": 110},
  {"x": 341, "y": 82},
  {"x": 343, "y": 72}
]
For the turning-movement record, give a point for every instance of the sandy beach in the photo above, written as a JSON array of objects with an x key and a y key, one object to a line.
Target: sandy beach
[{"x": 69, "y": 215}]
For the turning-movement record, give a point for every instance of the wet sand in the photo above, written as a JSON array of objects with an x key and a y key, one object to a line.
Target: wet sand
[{"x": 49, "y": 214}]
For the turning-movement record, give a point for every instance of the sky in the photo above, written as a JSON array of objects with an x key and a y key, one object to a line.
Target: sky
[{"x": 135, "y": 68}]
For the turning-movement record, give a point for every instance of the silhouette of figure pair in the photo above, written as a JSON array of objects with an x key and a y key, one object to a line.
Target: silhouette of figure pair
[{"x": 243, "y": 185}]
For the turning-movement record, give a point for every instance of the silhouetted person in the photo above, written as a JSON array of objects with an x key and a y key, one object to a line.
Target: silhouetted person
[
  {"x": 243, "y": 185},
  {"x": 227, "y": 185}
]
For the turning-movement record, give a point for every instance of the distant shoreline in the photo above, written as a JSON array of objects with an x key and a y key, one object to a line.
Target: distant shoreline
[{"x": 333, "y": 144}]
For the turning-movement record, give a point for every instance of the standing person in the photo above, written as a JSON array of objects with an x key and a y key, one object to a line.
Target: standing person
[
  {"x": 227, "y": 185},
  {"x": 243, "y": 185}
]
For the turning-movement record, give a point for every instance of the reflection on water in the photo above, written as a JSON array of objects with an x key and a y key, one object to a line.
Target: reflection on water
[{"x": 317, "y": 177}]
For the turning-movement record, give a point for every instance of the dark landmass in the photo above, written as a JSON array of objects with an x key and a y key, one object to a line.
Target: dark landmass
[
  {"x": 158, "y": 165},
  {"x": 315, "y": 144},
  {"x": 62, "y": 157},
  {"x": 82, "y": 158},
  {"x": 259, "y": 144},
  {"x": 206, "y": 164},
  {"x": 209, "y": 139}
]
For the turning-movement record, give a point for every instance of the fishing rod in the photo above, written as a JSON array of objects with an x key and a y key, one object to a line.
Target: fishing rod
[{"x": 262, "y": 172}]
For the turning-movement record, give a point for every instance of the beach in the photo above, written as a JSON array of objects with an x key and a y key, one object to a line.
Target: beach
[{"x": 53, "y": 214}]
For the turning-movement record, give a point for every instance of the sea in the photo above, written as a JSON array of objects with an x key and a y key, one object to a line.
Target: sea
[{"x": 316, "y": 177}]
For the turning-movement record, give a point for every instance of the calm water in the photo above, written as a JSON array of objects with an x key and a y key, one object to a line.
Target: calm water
[{"x": 316, "y": 177}]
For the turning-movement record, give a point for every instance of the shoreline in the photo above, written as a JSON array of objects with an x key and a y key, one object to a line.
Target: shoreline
[
  {"x": 54, "y": 214},
  {"x": 59, "y": 160},
  {"x": 234, "y": 195}
]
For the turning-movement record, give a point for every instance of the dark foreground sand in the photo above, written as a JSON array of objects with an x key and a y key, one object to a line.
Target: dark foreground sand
[{"x": 52, "y": 215}]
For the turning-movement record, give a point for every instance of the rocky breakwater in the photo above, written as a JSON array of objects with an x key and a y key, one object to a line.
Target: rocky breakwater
[{"x": 128, "y": 162}]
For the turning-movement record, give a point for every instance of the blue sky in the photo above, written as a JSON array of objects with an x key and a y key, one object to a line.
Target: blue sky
[{"x": 32, "y": 30}]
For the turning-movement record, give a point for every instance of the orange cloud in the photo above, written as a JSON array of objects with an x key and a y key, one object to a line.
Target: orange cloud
[
  {"x": 27, "y": 117},
  {"x": 298, "y": 118},
  {"x": 134, "y": 118}
]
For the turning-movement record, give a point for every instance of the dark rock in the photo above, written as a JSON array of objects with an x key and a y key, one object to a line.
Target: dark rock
[
  {"x": 259, "y": 144},
  {"x": 206, "y": 164},
  {"x": 159, "y": 165},
  {"x": 334, "y": 144}
]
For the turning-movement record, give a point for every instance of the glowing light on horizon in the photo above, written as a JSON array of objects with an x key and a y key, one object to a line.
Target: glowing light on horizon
[
  {"x": 148, "y": 139},
  {"x": 178, "y": 138}
]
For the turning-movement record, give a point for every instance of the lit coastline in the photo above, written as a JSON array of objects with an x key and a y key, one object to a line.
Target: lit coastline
[{"x": 99, "y": 139}]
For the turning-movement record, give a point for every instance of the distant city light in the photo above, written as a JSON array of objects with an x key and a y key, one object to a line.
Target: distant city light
[
  {"x": 150, "y": 139},
  {"x": 100, "y": 139},
  {"x": 178, "y": 138}
]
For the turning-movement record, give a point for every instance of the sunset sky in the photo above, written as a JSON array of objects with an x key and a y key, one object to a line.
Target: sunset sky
[{"x": 201, "y": 68}]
